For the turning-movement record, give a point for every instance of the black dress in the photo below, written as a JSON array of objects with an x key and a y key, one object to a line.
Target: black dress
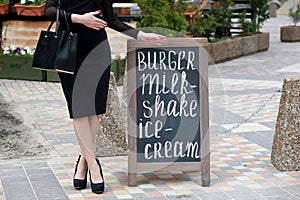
[{"x": 86, "y": 90}]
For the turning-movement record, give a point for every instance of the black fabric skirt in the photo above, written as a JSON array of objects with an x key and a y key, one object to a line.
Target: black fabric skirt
[{"x": 86, "y": 90}]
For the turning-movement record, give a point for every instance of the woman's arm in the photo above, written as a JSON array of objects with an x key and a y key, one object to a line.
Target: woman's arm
[
  {"x": 90, "y": 20},
  {"x": 115, "y": 23},
  {"x": 87, "y": 19}
]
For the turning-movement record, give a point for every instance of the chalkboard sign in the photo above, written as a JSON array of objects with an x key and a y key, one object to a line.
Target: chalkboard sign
[
  {"x": 168, "y": 104},
  {"x": 168, "y": 107}
]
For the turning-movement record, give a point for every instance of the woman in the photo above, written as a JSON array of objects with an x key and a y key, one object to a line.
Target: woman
[{"x": 86, "y": 90}]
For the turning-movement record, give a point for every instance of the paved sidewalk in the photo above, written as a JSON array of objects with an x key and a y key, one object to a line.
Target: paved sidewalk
[{"x": 244, "y": 97}]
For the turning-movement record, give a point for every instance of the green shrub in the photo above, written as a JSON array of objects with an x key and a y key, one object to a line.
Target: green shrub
[
  {"x": 214, "y": 23},
  {"x": 247, "y": 25},
  {"x": 224, "y": 15},
  {"x": 204, "y": 25},
  {"x": 260, "y": 12},
  {"x": 168, "y": 14}
]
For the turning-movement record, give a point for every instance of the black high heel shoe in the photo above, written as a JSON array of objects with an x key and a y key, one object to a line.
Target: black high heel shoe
[
  {"x": 97, "y": 188},
  {"x": 79, "y": 184}
]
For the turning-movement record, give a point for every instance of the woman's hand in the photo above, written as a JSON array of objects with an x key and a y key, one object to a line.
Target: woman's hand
[
  {"x": 150, "y": 37},
  {"x": 89, "y": 20}
]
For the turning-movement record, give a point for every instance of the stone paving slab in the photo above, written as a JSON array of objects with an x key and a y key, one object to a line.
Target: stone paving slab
[{"x": 244, "y": 97}]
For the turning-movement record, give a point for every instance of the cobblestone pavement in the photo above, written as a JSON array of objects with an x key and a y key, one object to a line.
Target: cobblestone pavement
[{"x": 244, "y": 95}]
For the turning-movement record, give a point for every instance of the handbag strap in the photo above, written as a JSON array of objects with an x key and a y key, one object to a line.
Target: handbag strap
[
  {"x": 67, "y": 23},
  {"x": 57, "y": 21}
]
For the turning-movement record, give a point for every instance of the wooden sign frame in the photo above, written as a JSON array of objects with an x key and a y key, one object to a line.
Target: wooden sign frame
[{"x": 135, "y": 167}]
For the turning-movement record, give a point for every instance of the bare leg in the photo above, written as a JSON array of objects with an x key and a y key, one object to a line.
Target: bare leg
[
  {"x": 86, "y": 139},
  {"x": 94, "y": 122},
  {"x": 82, "y": 165}
]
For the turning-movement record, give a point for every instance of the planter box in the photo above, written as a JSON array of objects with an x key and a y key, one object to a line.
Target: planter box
[
  {"x": 290, "y": 33},
  {"x": 218, "y": 51},
  {"x": 124, "y": 11},
  {"x": 235, "y": 48},
  {"x": 19, "y": 67},
  {"x": 4, "y": 8},
  {"x": 263, "y": 41},
  {"x": 238, "y": 46},
  {"x": 27, "y": 10},
  {"x": 250, "y": 44},
  {"x": 285, "y": 149},
  {"x": 52, "y": 77}
]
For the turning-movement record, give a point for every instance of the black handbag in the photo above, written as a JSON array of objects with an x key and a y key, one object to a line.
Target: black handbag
[
  {"x": 56, "y": 51},
  {"x": 45, "y": 51}
]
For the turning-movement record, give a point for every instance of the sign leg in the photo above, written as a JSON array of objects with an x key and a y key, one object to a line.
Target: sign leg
[
  {"x": 205, "y": 171},
  {"x": 132, "y": 179}
]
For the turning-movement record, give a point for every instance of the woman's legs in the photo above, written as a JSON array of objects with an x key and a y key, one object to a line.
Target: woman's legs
[{"x": 85, "y": 129}]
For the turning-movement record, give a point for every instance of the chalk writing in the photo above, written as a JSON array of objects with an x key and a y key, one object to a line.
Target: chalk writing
[{"x": 168, "y": 104}]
